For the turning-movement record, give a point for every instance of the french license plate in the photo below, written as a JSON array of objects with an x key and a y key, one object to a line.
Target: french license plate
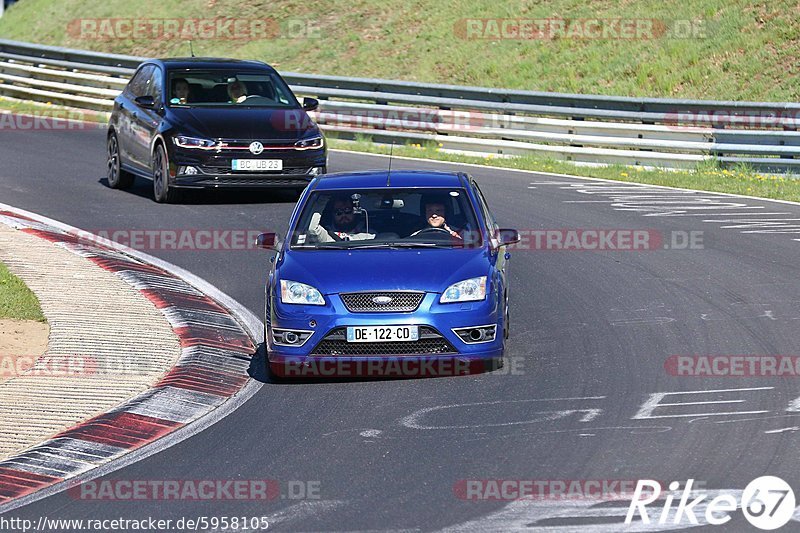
[
  {"x": 382, "y": 333},
  {"x": 257, "y": 164}
]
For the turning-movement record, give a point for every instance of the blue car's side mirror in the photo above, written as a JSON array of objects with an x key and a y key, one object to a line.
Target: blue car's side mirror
[
  {"x": 269, "y": 241},
  {"x": 508, "y": 236}
]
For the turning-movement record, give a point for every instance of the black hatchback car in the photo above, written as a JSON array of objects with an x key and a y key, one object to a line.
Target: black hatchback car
[{"x": 196, "y": 123}]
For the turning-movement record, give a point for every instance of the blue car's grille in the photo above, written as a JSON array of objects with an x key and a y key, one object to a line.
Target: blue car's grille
[
  {"x": 430, "y": 342},
  {"x": 387, "y": 301}
]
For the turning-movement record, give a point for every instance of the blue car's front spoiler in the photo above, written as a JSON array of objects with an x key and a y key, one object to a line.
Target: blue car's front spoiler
[{"x": 466, "y": 358}]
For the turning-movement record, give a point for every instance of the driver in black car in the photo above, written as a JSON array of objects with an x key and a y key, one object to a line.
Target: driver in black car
[
  {"x": 435, "y": 217},
  {"x": 237, "y": 92}
]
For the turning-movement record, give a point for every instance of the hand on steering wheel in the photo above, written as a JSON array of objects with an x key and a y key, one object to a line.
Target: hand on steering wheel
[{"x": 429, "y": 230}]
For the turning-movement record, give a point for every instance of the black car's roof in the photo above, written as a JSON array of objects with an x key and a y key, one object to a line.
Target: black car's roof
[{"x": 210, "y": 63}]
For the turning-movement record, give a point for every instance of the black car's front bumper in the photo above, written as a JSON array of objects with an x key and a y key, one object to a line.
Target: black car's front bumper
[{"x": 190, "y": 169}]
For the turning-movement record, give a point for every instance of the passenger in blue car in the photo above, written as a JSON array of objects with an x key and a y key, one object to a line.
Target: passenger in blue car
[{"x": 344, "y": 223}]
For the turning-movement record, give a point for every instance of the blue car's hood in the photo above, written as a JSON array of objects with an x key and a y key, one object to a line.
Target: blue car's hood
[
  {"x": 431, "y": 270},
  {"x": 232, "y": 122}
]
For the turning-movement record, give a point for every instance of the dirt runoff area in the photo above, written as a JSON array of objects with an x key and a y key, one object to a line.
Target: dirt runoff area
[{"x": 22, "y": 342}]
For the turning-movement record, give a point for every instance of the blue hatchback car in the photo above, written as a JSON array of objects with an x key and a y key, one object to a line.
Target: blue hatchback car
[{"x": 388, "y": 274}]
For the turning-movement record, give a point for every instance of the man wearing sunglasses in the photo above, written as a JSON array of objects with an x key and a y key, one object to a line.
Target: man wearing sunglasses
[{"x": 346, "y": 224}]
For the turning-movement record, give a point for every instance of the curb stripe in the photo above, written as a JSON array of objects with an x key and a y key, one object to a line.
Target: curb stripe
[
  {"x": 16, "y": 483},
  {"x": 213, "y": 367}
]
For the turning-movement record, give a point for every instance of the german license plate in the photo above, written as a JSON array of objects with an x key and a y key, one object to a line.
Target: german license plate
[
  {"x": 257, "y": 164},
  {"x": 382, "y": 333}
]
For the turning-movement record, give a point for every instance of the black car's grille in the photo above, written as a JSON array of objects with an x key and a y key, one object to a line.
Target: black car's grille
[
  {"x": 364, "y": 302},
  {"x": 430, "y": 342}
]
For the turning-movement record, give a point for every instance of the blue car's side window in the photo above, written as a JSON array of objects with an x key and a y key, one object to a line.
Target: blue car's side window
[{"x": 491, "y": 224}]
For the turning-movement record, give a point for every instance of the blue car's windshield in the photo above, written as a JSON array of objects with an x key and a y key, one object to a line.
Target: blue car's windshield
[
  {"x": 381, "y": 218},
  {"x": 221, "y": 88}
]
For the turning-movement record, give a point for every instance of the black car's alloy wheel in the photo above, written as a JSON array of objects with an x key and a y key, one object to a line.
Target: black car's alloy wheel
[
  {"x": 162, "y": 192},
  {"x": 117, "y": 178}
]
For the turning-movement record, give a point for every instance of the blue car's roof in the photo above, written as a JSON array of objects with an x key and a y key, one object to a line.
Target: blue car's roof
[{"x": 399, "y": 178}]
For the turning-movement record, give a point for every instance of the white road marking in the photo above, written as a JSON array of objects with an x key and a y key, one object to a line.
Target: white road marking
[
  {"x": 412, "y": 421},
  {"x": 648, "y": 407},
  {"x": 793, "y": 428}
]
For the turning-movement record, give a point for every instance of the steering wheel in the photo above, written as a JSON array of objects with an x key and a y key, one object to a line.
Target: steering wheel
[{"x": 429, "y": 230}]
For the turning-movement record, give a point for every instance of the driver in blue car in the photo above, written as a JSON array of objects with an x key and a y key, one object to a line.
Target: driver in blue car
[
  {"x": 341, "y": 217},
  {"x": 435, "y": 210}
]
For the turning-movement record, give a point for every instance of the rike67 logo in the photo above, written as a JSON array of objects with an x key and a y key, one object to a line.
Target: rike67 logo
[{"x": 767, "y": 502}]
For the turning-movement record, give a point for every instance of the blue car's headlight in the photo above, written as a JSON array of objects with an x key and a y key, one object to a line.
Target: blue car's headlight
[
  {"x": 310, "y": 144},
  {"x": 194, "y": 142},
  {"x": 469, "y": 290},
  {"x": 293, "y": 292}
]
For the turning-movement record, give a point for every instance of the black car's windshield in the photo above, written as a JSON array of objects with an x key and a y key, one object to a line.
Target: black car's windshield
[
  {"x": 194, "y": 88},
  {"x": 381, "y": 218}
]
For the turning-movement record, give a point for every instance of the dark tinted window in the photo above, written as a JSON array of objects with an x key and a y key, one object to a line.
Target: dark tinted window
[
  {"x": 223, "y": 87},
  {"x": 155, "y": 84},
  {"x": 139, "y": 84}
]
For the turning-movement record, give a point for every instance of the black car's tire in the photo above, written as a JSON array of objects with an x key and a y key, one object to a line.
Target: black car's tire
[
  {"x": 162, "y": 191},
  {"x": 117, "y": 178}
]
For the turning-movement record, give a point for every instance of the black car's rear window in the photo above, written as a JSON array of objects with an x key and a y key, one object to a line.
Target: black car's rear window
[{"x": 228, "y": 87}]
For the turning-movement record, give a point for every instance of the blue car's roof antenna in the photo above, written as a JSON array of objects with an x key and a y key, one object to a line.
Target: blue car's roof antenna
[{"x": 389, "y": 172}]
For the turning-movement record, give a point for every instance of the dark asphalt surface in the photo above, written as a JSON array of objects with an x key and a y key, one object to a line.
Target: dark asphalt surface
[{"x": 590, "y": 336}]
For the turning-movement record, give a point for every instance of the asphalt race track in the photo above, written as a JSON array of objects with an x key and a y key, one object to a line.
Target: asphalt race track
[{"x": 591, "y": 333}]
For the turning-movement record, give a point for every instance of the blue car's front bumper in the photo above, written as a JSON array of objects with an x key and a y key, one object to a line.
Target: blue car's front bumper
[{"x": 442, "y": 352}]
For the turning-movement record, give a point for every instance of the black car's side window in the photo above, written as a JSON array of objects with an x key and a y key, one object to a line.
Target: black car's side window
[
  {"x": 139, "y": 84},
  {"x": 155, "y": 84}
]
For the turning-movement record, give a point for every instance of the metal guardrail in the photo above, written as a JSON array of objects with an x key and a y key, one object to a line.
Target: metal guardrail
[{"x": 668, "y": 133}]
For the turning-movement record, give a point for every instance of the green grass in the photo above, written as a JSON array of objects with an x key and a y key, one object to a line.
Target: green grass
[
  {"x": 16, "y": 300},
  {"x": 747, "y": 51},
  {"x": 706, "y": 177}
]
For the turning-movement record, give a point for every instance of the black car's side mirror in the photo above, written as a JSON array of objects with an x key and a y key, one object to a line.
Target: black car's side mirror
[
  {"x": 508, "y": 236},
  {"x": 310, "y": 104},
  {"x": 148, "y": 102},
  {"x": 269, "y": 241}
]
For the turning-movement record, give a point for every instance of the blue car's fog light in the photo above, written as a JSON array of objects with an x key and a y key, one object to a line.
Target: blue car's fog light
[
  {"x": 476, "y": 334},
  {"x": 290, "y": 337}
]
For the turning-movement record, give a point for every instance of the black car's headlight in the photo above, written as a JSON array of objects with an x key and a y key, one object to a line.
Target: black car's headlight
[
  {"x": 185, "y": 141},
  {"x": 312, "y": 143}
]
